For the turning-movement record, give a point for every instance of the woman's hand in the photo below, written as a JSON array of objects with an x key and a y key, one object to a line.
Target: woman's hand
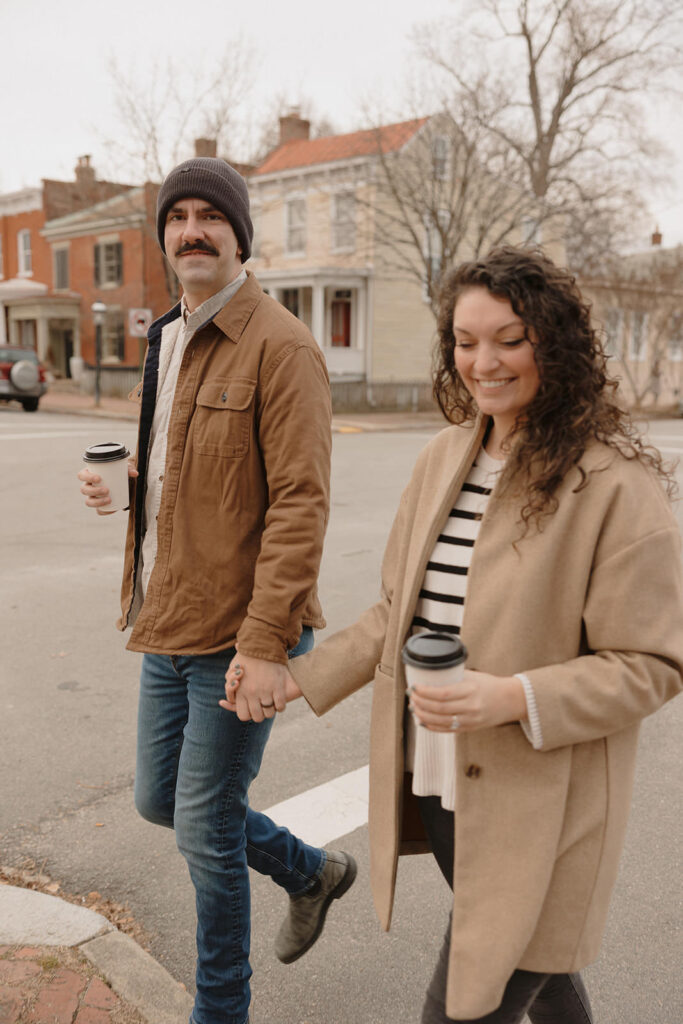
[
  {"x": 233, "y": 679},
  {"x": 478, "y": 701}
]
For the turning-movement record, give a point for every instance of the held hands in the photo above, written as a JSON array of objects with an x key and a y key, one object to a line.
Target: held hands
[
  {"x": 257, "y": 689},
  {"x": 478, "y": 701},
  {"x": 96, "y": 495}
]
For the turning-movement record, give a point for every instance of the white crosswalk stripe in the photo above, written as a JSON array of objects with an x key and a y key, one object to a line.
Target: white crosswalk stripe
[{"x": 324, "y": 813}]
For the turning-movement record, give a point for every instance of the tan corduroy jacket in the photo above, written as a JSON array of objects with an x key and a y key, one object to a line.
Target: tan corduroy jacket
[
  {"x": 591, "y": 608},
  {"x": 245, "y": 500}
]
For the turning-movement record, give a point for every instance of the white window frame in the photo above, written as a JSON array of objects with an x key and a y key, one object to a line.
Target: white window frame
[
  {"x": 675, "y": 343},
  {"x": 24, "y": 253},
  {"x": 614, "y": 332},
  {"x": 637, "y": 353},
  {"x": 344, "y": 221},
  {"x": 295, "y": 224},
  {"x": 441, "y": 160},
  {"x": 58, "y": 249},
  {"x": 435, "y": 257}
]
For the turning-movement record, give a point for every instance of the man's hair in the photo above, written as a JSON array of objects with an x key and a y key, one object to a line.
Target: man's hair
[
  {"x": 214, "y": 180},
  {"x": 575, "y": 402}
]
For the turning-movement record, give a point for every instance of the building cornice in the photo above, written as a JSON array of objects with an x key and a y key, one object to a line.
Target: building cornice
[{"x": 26, "y": 200}]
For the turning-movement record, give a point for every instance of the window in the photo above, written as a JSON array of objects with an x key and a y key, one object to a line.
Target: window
[
  {"x": 113, "y": 337},
  {"x": 613, "y": 330},
  {"x": 290, "y": 300},
  {"x": 341, "y": 319},
  {"x": 296, "y": 225},
  {"x": 676, "y": 338},
  {"x": 108, "y": 264},
  {"x": 61, "y": 269},
  {"x": 638, "y": 336},
  {"x": 25, "y": 257},
  {"x": 440, "y": 157},
  {"x": 436, "y": 224},
  {"x": 531, "y": 231},
  {"x": 344, "y": 221}
]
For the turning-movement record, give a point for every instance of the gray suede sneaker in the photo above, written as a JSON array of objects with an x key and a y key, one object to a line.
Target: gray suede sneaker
[{"x": 306, "y": 917}]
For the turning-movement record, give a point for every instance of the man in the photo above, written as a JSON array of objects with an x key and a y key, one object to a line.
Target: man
[{"x": 229, "y": 503}]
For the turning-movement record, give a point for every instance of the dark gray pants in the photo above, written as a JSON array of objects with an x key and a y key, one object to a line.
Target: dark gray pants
[{"x": 546, "y": 998}]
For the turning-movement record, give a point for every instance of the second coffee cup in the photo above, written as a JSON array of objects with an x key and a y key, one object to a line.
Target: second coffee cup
[{"x": 433, "y": 659}]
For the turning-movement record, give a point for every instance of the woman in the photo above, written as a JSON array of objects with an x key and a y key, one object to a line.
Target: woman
[{"x": 537, "y": 528}]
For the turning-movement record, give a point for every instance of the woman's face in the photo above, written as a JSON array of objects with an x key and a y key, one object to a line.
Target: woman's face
[{"x": 494, "y": 356}]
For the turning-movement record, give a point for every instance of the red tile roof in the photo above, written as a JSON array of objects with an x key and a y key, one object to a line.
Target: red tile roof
[{"x": 306, "y": 152}]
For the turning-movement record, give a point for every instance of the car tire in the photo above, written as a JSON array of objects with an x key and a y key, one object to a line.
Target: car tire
[
  {"x": 24, "y": 375},
  {"x": 30, "y": 404}
]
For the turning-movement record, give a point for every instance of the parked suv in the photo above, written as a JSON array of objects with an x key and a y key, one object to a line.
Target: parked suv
[{"x": 22, "y": 377}]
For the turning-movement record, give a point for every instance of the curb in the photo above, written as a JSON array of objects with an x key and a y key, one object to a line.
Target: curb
[
  {"x": 38, "y": 919},
  {"x": 138, "y": 978}
]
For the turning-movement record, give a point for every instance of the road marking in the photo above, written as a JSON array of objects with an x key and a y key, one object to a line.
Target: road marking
[
  {"x": 47, "y": 435},
  {"x": 324, "y": 813}
]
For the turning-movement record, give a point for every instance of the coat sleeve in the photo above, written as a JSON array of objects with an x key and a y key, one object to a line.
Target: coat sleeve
[
  {"x": 346, "y": 661},
  {"x": 633, "y": 625},
  {"x": 295, "y": 442}
]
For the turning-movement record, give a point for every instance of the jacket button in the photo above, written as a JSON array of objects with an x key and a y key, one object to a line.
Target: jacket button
[
  {"x": 224, "y": 396},
  {"x": 473, "y": 771}
]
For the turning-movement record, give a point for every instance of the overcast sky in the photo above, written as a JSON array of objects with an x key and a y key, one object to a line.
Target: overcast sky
[{"x": 56, "y": 101}]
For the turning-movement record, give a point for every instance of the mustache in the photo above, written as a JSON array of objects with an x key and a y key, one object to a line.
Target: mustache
[{"x": 197, "y": 247}]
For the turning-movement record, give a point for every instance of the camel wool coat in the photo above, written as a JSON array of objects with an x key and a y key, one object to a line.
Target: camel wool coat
[{"x": 590, "y": 607}]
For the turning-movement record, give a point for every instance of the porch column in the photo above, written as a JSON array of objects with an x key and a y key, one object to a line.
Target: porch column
[
  {"x": 3, "y": 325},
  {"x": 77, "y": 336},
  {"x": 42, "y": 338},
  {"x": 14, "y": 332},
  {"x": 318, "y": 314}
]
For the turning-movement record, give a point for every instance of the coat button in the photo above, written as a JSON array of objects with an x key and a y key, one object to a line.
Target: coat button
[
  {"x": 473, "y": 771},
  {"x": 224, "y": 396}
]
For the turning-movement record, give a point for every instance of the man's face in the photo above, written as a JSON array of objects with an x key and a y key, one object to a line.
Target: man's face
[{"x": 202, "y": 249}]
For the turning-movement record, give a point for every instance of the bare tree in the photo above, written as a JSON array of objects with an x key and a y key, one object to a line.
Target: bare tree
[
  {"x": 450, "y": 193},
  {"x": 640, "y": 299},
  {"x": 162, "y": 111},
  {"x": 568, "y": 94}
]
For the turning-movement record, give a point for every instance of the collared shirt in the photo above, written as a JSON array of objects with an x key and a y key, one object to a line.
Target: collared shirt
[{"x": 174, "y": 340}]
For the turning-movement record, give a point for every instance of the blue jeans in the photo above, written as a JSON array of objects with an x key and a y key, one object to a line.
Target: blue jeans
[{"x": 195, "y": 763}]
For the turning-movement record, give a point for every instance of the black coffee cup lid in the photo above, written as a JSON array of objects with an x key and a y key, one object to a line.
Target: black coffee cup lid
[
  {"x": 108, "y": 451},
  {"x": 434, "y": 650}
]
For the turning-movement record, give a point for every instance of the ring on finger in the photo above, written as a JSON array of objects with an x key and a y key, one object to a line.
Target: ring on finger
[
  {"x": 267, "y": 705},
  {"x": 455, "y": 723}
]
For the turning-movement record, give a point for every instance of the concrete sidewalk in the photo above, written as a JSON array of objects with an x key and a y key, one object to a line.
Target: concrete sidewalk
[
  {"x": 62, "y": 398},
  {"x": 65, "y": 964}
]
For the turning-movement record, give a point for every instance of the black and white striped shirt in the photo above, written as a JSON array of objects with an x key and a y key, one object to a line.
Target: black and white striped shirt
[{"x": 431, "y": 755}]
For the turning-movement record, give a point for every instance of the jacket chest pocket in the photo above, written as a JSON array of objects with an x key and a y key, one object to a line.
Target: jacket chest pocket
[{"x": 223, "y": 417}]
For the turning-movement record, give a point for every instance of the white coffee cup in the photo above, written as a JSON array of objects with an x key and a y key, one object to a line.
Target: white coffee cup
[
  {"x": 433, "y": 659},
  {"x": 110, "y": 462}
]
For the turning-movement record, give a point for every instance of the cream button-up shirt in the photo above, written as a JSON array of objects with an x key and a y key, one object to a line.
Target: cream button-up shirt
[{"x": 175, "y": 338}]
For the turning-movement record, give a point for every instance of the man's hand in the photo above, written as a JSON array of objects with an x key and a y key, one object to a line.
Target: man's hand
[
  {"x": 479, "y": 701},
  {"x": 255, "y": 689},
  {"x": 96, "y": 495}
]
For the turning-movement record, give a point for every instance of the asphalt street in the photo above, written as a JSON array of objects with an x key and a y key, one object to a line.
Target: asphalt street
[{"x": 67, "y": 739}]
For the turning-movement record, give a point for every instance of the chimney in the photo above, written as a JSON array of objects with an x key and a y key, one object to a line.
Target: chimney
[
  {"x": 657, "y": 236},
  {"x": 205, "y": 147},
  {"x": 85, "y": 174},
  {"x": 294, "y": 127}
]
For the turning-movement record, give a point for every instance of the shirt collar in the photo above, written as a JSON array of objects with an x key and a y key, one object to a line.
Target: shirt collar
[{"x": 208, "y": 309}]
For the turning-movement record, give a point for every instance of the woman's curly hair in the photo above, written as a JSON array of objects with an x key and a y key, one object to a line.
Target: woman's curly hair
[{"x": 575, "y": 402}]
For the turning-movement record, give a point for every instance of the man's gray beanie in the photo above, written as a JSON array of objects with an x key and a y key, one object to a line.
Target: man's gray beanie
[{"x": 212, "y": 179}]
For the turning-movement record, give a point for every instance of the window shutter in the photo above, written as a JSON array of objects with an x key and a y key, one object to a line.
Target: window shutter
[
  {"x": 118, "y": 262},
  {"x": 98, "y": 265}
]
